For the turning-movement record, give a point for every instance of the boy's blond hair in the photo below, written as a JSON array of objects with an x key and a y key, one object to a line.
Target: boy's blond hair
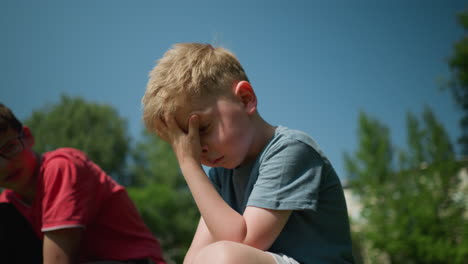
[{"x": 187, "y": 71}]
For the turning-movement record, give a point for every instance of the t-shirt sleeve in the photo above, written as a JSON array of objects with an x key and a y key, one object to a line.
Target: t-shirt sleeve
[
  {"x": 67, "y": 196},
  {"x": 289, "y": 177}
]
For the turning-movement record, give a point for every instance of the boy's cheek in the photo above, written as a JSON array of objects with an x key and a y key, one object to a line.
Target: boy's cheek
[
  {"x": 3, "y": 175},
  {"x": 203, "y": 161},
  {"x": 22, "y": 160},
  {"x": 5, "y": 166}
]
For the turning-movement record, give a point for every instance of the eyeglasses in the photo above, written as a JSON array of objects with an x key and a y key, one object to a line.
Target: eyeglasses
[{"x": 12, "y": 147}]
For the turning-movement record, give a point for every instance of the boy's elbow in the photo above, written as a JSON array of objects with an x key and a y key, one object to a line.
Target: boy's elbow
[
  {"x": 234, "y": 233},
  {"x": 231, "y": 236},
  {"x": 259, "y": 241},
  {"x": 258, "y": 244}
]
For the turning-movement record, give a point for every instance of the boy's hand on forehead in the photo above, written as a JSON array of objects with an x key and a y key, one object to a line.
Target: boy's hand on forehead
[
  {"x": 159, "y": 128},
  {"x": 186, "y": 145}
]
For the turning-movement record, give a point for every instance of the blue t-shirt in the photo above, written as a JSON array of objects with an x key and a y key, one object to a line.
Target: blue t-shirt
[{"x": 291, "y": 173}]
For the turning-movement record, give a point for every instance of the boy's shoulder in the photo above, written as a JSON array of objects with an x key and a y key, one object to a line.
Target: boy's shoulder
[
  {"x": 73, "y": 165},
  {"x": 69, "y": 154},
  {"x": 69, "y": 160},
  {"x": 283, "y": 133},
  {"x": 290, "y": 145},
  {"x": 286, "y": 139}
]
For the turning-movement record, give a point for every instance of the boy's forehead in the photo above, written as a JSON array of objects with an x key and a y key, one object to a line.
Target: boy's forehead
[{"x": 199, "y": 106}]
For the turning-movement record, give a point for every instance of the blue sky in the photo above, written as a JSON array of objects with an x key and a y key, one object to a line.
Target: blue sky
[{"x": 313, "y": 64}]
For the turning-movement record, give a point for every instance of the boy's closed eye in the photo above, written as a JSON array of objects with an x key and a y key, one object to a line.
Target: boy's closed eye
[
  {"x": 8, "y": 147},
  {"x": 203, "y": 129}
]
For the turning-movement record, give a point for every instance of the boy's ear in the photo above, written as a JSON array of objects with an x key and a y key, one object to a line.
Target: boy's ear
[
  {"x": 28, "y": 137},
  {"x": 245, "y": 93}
]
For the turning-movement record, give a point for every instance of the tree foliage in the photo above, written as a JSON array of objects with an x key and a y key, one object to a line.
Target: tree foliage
[
  {"x": 171, "y": 215},
  {"x": 414, "y": 209},
  {"x": 459, "y": 84},
  {"x": 154, "y": 162},
  {"x": 162, "y": 196},
  {"x": 96, "y": 129}
]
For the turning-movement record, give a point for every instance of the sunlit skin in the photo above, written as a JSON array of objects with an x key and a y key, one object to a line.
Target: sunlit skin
[{"x": 226, "y": 132}]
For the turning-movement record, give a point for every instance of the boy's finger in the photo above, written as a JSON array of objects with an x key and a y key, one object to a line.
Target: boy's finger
[
  {"x": 193, "y": 125},
  {"x": 171, "y": 123},
  {"x": 162, "y": 134},
  {"x": 161, "y": 129}
]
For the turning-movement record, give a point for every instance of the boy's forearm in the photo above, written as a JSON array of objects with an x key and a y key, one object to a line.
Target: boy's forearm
[
  {"x": 62, "y": 246},
  {"x": 188, "y": 257},
  {"x": 223, "y": 222}
]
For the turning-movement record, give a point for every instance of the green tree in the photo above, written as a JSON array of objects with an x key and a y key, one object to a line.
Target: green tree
[
  {"x": 414, "y": 210},
  {"x": 96, "y": 129},
  {"x": 368, "y": 170},
  {"x": 459, "y": 83},
  {"x": 154, "y": 162},
  {"x": 162, "y": 196}
]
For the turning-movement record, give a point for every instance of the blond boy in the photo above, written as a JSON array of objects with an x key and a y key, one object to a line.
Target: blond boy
[{"x": 271, "y": 195}]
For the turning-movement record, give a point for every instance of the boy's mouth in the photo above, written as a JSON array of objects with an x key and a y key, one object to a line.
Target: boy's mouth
[
  {"x": 217, "y": 160},
  {"x": 13, "y": 175}
]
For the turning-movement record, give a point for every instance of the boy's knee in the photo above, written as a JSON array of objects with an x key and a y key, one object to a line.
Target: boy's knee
[{"x": 222, "y": 252}]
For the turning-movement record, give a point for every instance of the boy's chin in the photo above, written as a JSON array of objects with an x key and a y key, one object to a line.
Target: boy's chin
[{"x": 224, "y": 166}]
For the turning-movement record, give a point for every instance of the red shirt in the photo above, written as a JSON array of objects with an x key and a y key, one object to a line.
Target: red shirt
[{"x": 72, "y": 191}]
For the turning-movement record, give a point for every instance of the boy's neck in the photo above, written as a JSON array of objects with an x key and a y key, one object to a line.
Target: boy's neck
[
  {"x": 264, "y": 132},
  {"x": 28, "y": 191}
]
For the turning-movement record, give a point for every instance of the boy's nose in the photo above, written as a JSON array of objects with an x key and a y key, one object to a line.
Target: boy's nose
[{"x": 204, "y": 149}]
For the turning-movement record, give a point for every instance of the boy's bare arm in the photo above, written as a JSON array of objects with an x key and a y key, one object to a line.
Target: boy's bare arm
[
  {"x": 264, "y": 226},
  {"x": 258, "y": 227},
  {"x": 62, "y": 246},
  {"x": 201, "y": 239}
]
